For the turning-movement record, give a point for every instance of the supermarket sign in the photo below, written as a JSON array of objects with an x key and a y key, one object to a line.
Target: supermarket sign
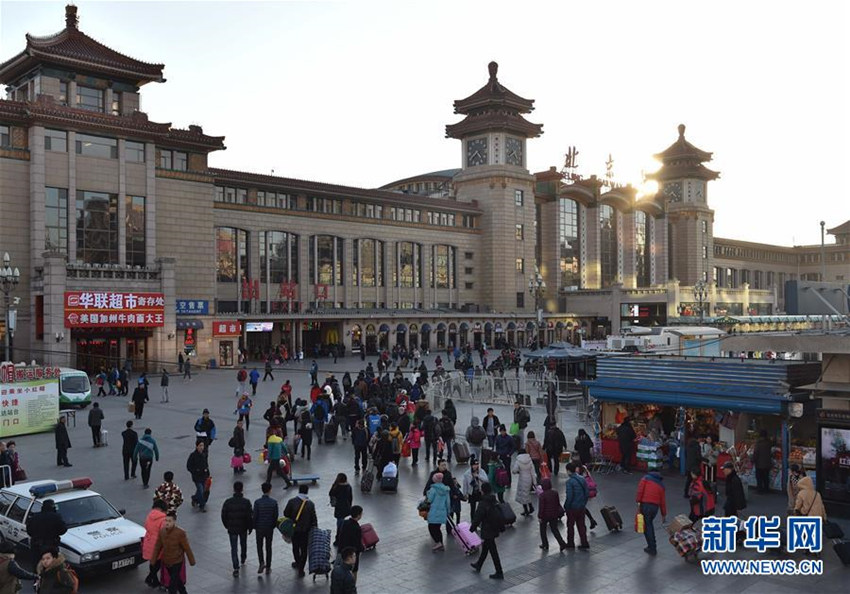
[
  {"x": 227, "y": 328},
  {"x": 98, "y": 309}
]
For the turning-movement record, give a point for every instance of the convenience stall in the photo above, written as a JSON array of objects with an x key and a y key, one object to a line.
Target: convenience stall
[{"x": 671, "y": 400}]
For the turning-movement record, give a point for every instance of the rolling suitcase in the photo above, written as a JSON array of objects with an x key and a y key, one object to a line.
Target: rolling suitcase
[
  {"x": 367, "y": 480},
  {"x": 461, "y": 452},
  {"x": 319, "y": 552},
  {"x": 507, "y": 512},
  {"x": 468, "y": 540},
  {"x": 331, "y": 429},
  {"x": 389, "y": 484},
  {"x": 104, "y": 437},
  {"x": 368, "y": 537},
  {"x": 612, "y": 518}
]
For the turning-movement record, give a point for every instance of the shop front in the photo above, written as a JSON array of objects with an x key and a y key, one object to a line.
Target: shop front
[
  {"x": 227, "y": 335},
  {"x": 425, "y": 337},
  {"x": 112, "y": 329},
  {"x": 441, "y": 336},
  {"x": 671, "y": 402},
  {"x": 371, "y": 340},
  {"x": 356, "y": 334}
]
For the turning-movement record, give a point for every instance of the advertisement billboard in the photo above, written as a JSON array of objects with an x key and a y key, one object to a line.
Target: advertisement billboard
[
  {"x": 28, "y": 405},
  {"x": 99, "y": 309}
]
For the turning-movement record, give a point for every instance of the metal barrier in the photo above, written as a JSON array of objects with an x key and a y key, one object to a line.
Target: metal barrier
[{"x": 5, "y": 476}]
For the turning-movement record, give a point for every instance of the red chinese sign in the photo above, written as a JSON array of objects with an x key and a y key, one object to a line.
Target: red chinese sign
[
  {"x": 99, "y": 309},
  {"x": 10, "y": 374},
  {"x": 321, "y": 292},
  {"x": 288, "y": 290},
  {"x": 227, "y": 328},
  {"x": 250, "y": 290}
]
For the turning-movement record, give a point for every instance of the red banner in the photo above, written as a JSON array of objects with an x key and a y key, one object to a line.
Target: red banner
[
  {"x": 321, "y": 292},
  {"x": 288, "y": 290},
  {"x": 227, "y": 328},
  {"x": 100, "y": 309},
  {"x": 10, "y": 373}
]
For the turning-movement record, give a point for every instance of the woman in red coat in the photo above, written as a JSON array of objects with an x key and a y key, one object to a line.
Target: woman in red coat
[
  {"x": 702, "y": 499},
  {"x": 549, "y": 512}
]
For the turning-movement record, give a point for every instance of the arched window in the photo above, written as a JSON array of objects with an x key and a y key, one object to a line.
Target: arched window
[
  {"x": 607, "y": 245},
  {"x": 231, "y": 260}
]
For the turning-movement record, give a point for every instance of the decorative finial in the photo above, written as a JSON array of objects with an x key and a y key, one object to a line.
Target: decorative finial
[
  {"x": 681, "y": 131},
  {"x": 493, "y": 67},
  {"x": 71, "y": 19}
]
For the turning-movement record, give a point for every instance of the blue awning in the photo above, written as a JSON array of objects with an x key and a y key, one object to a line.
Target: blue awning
[
  {"x": 425, "y": 328},
  {"x": 384, "y": 328},
  {"x": 464, "y": 326},
  {"x": 441, "y": 326},
  {"x": 488, "y": 326},
  {"x": 401, "y": 328},
  {"x": 749, "y": 405}
]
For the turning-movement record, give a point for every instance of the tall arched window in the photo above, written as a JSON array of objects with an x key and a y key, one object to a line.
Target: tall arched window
[
  {"x": 278, "y": 257},
  {"x": 641, "y": 249},
  {"x": 231, "y": 246},
  {"x": 607, "y": 245},
  {"x": 569, "y": 242},
  {"x": 368, "y": 260},
  {"x": 326, "y": 260}
]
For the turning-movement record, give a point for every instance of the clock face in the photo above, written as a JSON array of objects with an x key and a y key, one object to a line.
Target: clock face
[
  {"x": 673, "y": 191},
  {"x": 513, "y": 151},
  {"x": 476, "y": 152},
  {"x": 699, "y": 190}
]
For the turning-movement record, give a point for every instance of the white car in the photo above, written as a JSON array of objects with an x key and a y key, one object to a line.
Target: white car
[{"x": 99, "y": 538}]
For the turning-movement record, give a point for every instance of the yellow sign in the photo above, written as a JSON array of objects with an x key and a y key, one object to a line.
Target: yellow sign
[{"x": 28, "y": 407}]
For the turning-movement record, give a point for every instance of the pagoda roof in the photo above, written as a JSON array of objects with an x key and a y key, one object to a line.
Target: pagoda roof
[
  {"x": 682, "y": 149},
  {"x": 493, "y": 94},
  {"x": 74, "y": 49},
  {"x": 681, "y": 170},
  {"x": 682, "y": 159},
  {"x": 498, "y": 120},
  {"x": 842, "y": 229}
]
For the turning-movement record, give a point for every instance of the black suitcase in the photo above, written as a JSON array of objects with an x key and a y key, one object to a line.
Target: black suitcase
[
  {"x": 832, "y": 531},
  {"x": 367, "y": 480},
  {"x": 842, "y": 549},
  {"x": 461, "y": 452},
  {"x": 331, "y": 429},
  {"x": 612, "y": 518},
  {"x": 389, "y": 484},
  {"x": 507, "y": 513}
]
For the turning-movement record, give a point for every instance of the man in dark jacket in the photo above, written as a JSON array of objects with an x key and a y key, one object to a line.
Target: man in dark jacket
[
  {"x": 521, "y": 418},
  {"x": 447, "y": 432},
  {"x": 554, "y": 443},
  {"x": 626, "y": 438},
  {"x": 360, "y": 441},
  {"x": 342, "y": 576},
  {"x": 490, "y": 520},
  {"x": 762, "y": 461},
  {"x": 205, "y": 430},
  {"x": 237, "y": 517},
  {"x": 736, "y": 500},
  {"x": 265, "y": 521},
  {"x": 351, "y": 536},
  {"x": 140, "y": 396},
  {"x": 95, "y": 421},
  {"x": 130, "y": 439},
  {"x": 45, "y": 528},
  {"x": 491, "y": 427},
  {"x": 304, "y": 521},
  {"x": 199, "y": 469},
  {"x": 63, "y": 443},
  {"x": 504, "y": 448}
]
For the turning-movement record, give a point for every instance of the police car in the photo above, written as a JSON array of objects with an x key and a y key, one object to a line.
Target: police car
[{"x": 99, "y": 538}]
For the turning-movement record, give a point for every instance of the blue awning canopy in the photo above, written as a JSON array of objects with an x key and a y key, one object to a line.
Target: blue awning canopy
[
  {"x": 401, "y": 328},
  {"x": 425, "y": 328},
  {"x": 749, "y": 405},
  {"x": 441, "y": 326},
  {"x": 464, "y": 326},
  {"x": 488, "y": 326},
  {"x": 384, "y": 328}
]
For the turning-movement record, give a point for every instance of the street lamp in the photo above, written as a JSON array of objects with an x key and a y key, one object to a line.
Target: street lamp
[
  {"x": 700, "y": 295},
  {"x": 537, "y": 287},
  {"x": 9, "y": 279}
]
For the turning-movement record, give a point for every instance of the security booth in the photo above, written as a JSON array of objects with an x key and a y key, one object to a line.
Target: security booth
[{"x": 673, "y": 399}]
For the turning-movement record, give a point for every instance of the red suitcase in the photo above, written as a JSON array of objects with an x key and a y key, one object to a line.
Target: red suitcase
[{"x": 368, "y": 537}]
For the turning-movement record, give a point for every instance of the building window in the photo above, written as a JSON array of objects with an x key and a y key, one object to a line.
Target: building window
[
  {"x": 135, "y": 230},
  {"x": 134, "y": 152},
  {"x": 731, "y": 278},
  {"x": 519, "y": 197},
  {"x": 468, "y": 255},
  {"x": 520, "y": 300},
  {"x": 369, "y": 211},
  {"x": 56, "y": 141},
  {"x": 324, "y": 205},
  {"x": 89, "y": 98},
  {"x": 468, "y": 222},
  {"x": 467, "y": 270},
  {"x": 116, "y": 103},
  {"x": 468, "y": 286},
  {"x": 278, "y": 257},
  {"x": 181, "y": 161},
  {"x": 607, "y": 245},
  {"x": 231, "y": 254},
  {"x": 275, "y": 200},
  {"x": 368, "y": 263},
  {"x": 705, "y": 226},
  {"x": 443, "y": 267},
  {"x": 757, "y": 279},
  {"x": 5, "y": 137},
  {"x": 56, "y": 220},
  {"x": 409, "y": 265},
  {"x": 705, "y": 252},
  {"x": 63, "y": 92},
  {"x": 174, "y": 160},
  {"x": 520, "y": 265},
  {"x": 642, "y": 260},
  {"x": 326, "y": 260},
  {"x": 96, "y": 146},
  {"x": 97, "y": 227},
  {"x": 519, "y": 234},
  {"x": 165, "y": 159}
]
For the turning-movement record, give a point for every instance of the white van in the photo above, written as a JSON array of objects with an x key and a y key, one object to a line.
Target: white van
[{"x": 74, "y": 388}]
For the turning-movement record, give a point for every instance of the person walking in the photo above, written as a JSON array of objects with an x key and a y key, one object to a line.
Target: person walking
[
  {"x": 795, "y": 473},
  {"x": 554, "y": 443},
  {"x": 163, "y": 385},
  {"x": 198, "y": 467},
  {"x": 491, "y": 427},
  {"x": 693, "y": 462},
  {"x": 129, "y": 439},
  {"x": 303, "y": 514},
  {"x": 237, "y": 516},
  {"x": 341, "y": 497},
  {"x": 237, "y": 442},
  {"x": 146, "y": 451},
  {"x": 626, "y": 439},
  {"x": 169, "y": 492},
  {"x": 473, "y": 479},
  {"x": 53, "y": 574},
  {"x": 140, "y": 396},
  {"x": 268, "y": 369},
  {"x": 763, "y": 461},
  {"x": 592, "y": 489},
  {"x": 736, "y": 499},
  {"x": 11, "y": 573},
  {"x": 153, "y": 525},
  {"x": 351, "y": 536},
  {"x": 504, "y": 449},
  {"x": 549, "y": 514},
  {"x": 414, "y": 440},
  {"x": 360, "y": 443},
  {"x": 254, "y": 379},
  {"x": 46, "y": 527},
  {"x": 521, "y": 418},
  {"x": 173, "y": 547},
  {"x": 651, "y": 498},
  {"x": 96, "y": 417},
  {"x": 241, "y": 380},
  {"x": 491, "y": 523},
  {"x": 180, "y": 362},
  {"x": 701, "y": 498},
  {"x": 438, "y": 497},
  {"x": 475, "y": 436},
  {"x": 535, "y": 450},
  {"x": 314, "y": 373},
  {"x": 343, "y": 580},
  {"x": 265, "y": 522},
  {"x": 278, "y": 459},
  {"x": 243, "y": 409},
  {"x": 205, "y": 430},
  {"x": 809, "y": 502},
  {"x": 574, "y": 504},
  {"x": 584, "y": 446},
  {"x": 63, "y": 443},
  {"x": 526, "y": 480},
  {"x": 187, "y": 369}
]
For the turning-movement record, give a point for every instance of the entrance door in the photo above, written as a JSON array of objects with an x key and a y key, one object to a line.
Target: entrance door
[
  {"x": 92, "y": 354},
  {"x": 225, "y": 353},
  {"x": 137, "y": 353}
]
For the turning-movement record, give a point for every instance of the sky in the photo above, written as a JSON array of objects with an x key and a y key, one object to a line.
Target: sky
[{"x": 359, "y": 92}]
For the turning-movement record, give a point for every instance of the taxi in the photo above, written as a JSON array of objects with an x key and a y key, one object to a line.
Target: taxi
[{"x": 99, "y": 538}]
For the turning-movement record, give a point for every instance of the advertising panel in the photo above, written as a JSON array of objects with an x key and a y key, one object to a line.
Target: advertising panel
[{"x": 99, "y": 309}]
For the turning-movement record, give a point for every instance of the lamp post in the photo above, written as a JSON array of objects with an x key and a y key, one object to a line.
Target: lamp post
[
  {"x": 700, "y": 295},
  {"x": 822, "y": 254},
  {"x": 9, "y": 279},
  {"x": 537, "y": 287}
]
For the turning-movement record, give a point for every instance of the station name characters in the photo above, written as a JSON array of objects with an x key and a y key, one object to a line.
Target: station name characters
[
  {"x": 9, "y": 374},
  {"x": 94, "y": 309}
]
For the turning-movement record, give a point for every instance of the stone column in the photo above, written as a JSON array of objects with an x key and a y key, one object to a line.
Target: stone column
[
  {"x": 150, "y": 203},
  {"x": 122, "y": 203},
  {"x": 54, "y": 310},
  {"x": 662, "y": 253},
  {"x": 37, "y": 193},
  {"x": 163, "y": 347},
  {"x": 72, "y": 192}
]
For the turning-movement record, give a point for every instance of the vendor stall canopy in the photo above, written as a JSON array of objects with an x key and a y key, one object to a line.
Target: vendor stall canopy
[
  {"x": 563, "y": 350},
  {"x": 752, "y": 386}
]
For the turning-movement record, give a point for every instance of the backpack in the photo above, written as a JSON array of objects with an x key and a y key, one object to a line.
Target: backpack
[
  {"x": 591, "y": 486},
  {"x": 446, "y": 427},
  {"x": 477, "y": 435},
  {"x": 395, "y": 446},
  {"x": 75, "y": 580},
  {"x": 242, "y": 375},
  {"x": 503, "y": 478}
]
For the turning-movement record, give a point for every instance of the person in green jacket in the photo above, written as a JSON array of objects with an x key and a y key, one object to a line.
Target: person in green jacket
[
  {"x": 276, "y": 451},
  {"x": 491, "y": 475},
  {"x": 146, "y": 451}
]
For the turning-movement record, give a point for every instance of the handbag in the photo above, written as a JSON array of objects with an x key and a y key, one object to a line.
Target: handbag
[
  {"x": 514, "y": 430},
  {"x": 131, "y": 407},
  {"x": 405, "y": 450},
  {"x": 640, "y": 523},
  {"x": 246, "y": 458},
  {"x": 20, "y": 474},
  {"x": 286, "y": 526}
]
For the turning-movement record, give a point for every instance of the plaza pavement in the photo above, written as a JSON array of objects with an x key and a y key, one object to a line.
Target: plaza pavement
[{"x": 403, "y": 559}]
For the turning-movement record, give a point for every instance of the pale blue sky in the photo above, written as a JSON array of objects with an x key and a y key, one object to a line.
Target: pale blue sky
[{"x": 359, "y": 92}]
